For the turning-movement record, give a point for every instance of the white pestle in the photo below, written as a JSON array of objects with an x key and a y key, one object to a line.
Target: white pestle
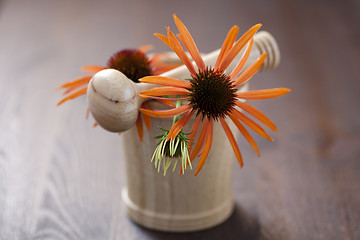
[{"x": 114, "y": 99}]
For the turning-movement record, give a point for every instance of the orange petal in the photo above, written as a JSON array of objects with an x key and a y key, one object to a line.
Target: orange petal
[
  {"x": 74, "y": 87},
  {"x": 139, "y": 127},
  {"x": 166, "y": 113},
  {"x": 77, "y": 82},
  {"x": 193, "y": 133},
  {"x": 176, "y": 47},
  {"x": 263, "y": 94},
  {"x": 228, "y": 43},
  {"x": 192, "y": 136},
  {"x": 165, "y": 98},
  {"x": 70, "y": 90},
  {"x": 245, "y": 76},
  {"x": 256, "y": 113},
  {"x": 167, "y": 81},
  {"x": 245, "y": 133},
  {"x": 176, "y": 128},
  {"x": 156, "y": 57},
  {"x": 234, "y": 51},
  {"x": 200, "y": 141},
  {"x": 189, "y": 43},
  {"x": 242, "y": 62},
  {"x": 253, "y": 125},
  {"x": 166, "y": 102},
  {"x": 162, "y": 38},
  {"x": 182, "y": 40},
  {"x": 145, "y": 48},
  {"x": 87, "y": 113},
  {"x": 147, "y": 118},
  {"x": 92, "y": 68},
  {"x": 207, "y": 146},
  {"x": 163, "y": 91},
  {"x": 160, "y": 66},
  {"x": 73, "y": 95},
  {"x": 232, "y": 141}
]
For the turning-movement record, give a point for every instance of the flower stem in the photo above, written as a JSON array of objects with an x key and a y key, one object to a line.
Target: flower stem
[{"x": 177, "y": 117}]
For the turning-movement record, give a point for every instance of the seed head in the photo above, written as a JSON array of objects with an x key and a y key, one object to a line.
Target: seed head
[
  {"x": 133, "y": 63},
  {"x": 212, "y": 94}
]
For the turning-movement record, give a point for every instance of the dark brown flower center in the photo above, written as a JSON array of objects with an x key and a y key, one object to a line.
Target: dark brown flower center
[
  {"x": 133, "y": 63},
  {"x": 212, "y": 94}
]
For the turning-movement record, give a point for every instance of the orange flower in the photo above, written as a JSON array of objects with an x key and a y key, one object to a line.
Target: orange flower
[
  {"x": 131, "y": 62},
  {"x": 212, "y": 95}
]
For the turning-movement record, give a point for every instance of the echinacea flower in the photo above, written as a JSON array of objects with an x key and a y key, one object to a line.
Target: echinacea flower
[
  {"x": 134, "y": 64},
  {"x": 211, "y": 94}
]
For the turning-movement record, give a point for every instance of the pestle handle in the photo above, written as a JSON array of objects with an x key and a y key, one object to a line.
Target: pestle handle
[{"x": 114, "y": 99}]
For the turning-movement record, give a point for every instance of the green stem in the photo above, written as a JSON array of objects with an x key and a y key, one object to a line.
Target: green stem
[{"x": 177, "y": 117}]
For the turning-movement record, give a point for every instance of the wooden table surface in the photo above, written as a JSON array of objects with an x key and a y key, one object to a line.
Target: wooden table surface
[{"x": 60, "y": 178}]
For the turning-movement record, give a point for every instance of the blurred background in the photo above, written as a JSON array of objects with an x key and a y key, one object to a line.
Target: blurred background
[{"x": 60, "y": 178}]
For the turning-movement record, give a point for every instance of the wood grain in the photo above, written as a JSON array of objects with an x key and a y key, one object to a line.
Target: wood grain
[{"x": 61, "y": 179}]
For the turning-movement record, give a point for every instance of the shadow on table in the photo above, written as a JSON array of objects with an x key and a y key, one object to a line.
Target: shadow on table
[{"x": 239, "y": 226}]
